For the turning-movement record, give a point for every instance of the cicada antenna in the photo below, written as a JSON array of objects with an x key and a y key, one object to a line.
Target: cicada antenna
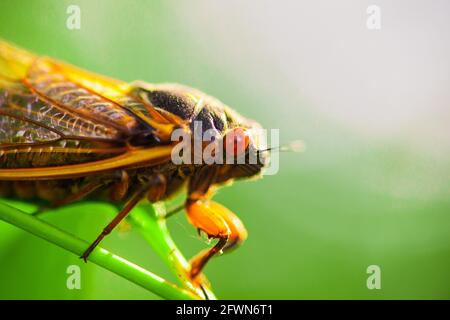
[{"x": 293, "y": 146}]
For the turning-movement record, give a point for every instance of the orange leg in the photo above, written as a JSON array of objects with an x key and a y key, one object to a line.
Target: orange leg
[{"x": 217, "y": 222}]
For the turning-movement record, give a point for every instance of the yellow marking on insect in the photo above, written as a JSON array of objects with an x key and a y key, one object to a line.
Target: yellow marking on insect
[
  {"x": 14, "y": 61},
  {"x": 109, "y": 88},
  {"x": 135, "y": 158}
]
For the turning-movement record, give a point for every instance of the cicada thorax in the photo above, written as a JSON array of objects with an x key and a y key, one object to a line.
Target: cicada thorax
[{"x": 190, "y": 105}]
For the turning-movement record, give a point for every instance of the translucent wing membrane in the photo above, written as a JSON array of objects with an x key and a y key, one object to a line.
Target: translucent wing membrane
[
  {"x": 45, "y": 79},
  {"x": 24, "y": 105},
  {"x": 16, "y": 131},
  {"x": 23, "y": 96}
]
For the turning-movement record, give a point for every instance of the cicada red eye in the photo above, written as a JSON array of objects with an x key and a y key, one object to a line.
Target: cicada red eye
[{"x": 236, "y": 142}]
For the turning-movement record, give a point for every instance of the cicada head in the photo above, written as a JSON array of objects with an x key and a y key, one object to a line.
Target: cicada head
[
  {"x": 243, "y": 150},
  {"x": 239, "y": 140}
]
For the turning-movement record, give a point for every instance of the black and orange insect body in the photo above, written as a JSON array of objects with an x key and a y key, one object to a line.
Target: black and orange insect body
[{"x": 66, "y": 134}]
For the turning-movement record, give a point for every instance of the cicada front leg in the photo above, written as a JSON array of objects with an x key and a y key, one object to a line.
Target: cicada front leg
[{"x": 217, "y": 222}]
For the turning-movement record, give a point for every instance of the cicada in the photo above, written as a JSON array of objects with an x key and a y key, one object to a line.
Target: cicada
[{"x": 67, "y": 134}]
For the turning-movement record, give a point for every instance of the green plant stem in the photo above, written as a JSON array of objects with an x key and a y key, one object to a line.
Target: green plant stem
[
  {"x": 99, "y": 256},
  {"x": 150, "y": 221}
]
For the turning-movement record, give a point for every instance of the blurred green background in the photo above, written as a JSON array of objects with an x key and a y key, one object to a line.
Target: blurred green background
[{"x": 372, "y": 187}]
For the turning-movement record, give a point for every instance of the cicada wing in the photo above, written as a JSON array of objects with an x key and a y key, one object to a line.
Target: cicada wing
[
  {"x": 53, "y": 115},
  {"x": 123, "y": 94},
  {"x": 20, "y": 101},
  {"x": 35, "y": 132},
  {"x": 107, "y": 101}
]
